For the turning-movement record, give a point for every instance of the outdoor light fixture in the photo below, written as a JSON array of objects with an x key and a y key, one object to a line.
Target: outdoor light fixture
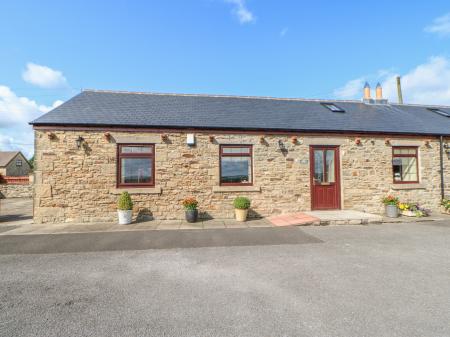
[
  {"x": 79, "y": 141},
  {"x": 281, "y": 146}
]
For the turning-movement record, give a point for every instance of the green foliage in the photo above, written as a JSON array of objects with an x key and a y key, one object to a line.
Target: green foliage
[
  {"x": 390, "y": 200},
  {"x": 31, "y": 161},
  {"x": 125, "y": 203},
  {"x": 241, "y": 203},
  {"x": 446, "y": 204}
]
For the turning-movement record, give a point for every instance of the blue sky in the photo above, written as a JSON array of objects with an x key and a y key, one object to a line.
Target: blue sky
[{"x": 49, "y": 50}]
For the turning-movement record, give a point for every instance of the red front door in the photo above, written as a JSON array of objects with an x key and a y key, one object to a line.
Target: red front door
[{"x": 325, "y": 189}]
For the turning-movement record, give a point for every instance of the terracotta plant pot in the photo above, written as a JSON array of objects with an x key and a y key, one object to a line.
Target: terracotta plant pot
[
  {"x": 191, "y": 215},
  {"x": 241, "y": 214},
  {"x": 391, "y": 211}
]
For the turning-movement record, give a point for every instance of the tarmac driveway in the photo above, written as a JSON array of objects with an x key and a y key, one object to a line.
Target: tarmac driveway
[{"x": 376, "y": 280}]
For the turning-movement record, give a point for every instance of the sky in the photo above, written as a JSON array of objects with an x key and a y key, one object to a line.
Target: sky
[{"x": 51, "y": 50}]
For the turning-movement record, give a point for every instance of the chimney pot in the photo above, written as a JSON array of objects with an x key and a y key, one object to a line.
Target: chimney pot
[
  {"x": 379, "y": 91},
  {"x": 366, "y": 91}
]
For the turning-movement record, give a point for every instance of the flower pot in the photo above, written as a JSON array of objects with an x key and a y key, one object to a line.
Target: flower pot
[
  {"x": 391, "y": 211},
  {"x": 191, "y": 215},
  {"x": 445, "y": 211},
  {"x": 241, "y": 214},
  {"x": 408, "y": 213},
  {"x": 125, "y": 216}
]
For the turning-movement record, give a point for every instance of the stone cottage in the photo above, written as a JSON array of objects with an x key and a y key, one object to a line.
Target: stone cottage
[
  {"x": 286, "y": 155},
  {"x": 14, "y": 164}
]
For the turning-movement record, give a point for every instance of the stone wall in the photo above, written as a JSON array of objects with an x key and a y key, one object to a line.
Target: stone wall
[
  {"x": 16, "y": 191},
  {"x": 79, "y": 185}
]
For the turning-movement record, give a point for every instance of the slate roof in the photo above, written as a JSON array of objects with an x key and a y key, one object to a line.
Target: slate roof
[
  {"x": 110, "y": 108},
  {"x": 6, "y": 157}
]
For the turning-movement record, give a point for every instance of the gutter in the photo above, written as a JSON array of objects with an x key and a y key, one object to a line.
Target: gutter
[{"x": 441, "y": 164}]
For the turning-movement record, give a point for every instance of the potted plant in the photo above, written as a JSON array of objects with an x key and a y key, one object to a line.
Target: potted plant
[
  {"x": 413, "y": 210},
  {"x": 406, "y": 209},
  {"x": 190, "y": 206},
  {"x": 241, "y": 206},
  {"x": 125, "y": 209},
  {"x": 445, "y": 206},
  {"x": 391, "y": 206}
]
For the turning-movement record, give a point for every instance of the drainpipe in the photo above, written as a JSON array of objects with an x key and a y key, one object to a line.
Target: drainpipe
[{"x": 441, "y": 148}]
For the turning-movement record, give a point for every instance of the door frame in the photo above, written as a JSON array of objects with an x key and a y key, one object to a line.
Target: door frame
[{"x": 337, "y": 173}]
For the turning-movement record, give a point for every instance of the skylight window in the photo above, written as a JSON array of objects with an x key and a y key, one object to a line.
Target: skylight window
[
  {"x": 440, "y": 112},
  {"x": 333, "y": 107}
]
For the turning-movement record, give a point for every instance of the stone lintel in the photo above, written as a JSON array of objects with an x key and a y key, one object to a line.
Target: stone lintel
[
  {"x": 134, "y": 139},
  {"x": 402, "y": 142},
  {"x": 408, "y": 186},
  {"x": 324, "y": 141}
]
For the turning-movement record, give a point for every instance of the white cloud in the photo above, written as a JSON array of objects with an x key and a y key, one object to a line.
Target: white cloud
[
  {"x": 351, "y": 89},
  {"x": 428, "y": 83},
  {"x": 43, "y": 76},
  {"x": 284, "y": 31},
  {"x": 241, "y": 11},
  {"x": 15, "y": 114},
  {"x": 440, "y": 26}
]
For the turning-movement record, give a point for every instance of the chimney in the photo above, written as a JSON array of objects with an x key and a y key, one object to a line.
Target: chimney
[
  {"x": 379, "y": 91},
  {"x": 366, "y": 91},
  {"x": 378, "y": 95},
  {"x": 399, "y": 90}
]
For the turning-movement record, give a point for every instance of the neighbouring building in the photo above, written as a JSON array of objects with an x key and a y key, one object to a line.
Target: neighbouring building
[
  {"x": 286, "y": 155},
  {"x": 14, "y": 164}
]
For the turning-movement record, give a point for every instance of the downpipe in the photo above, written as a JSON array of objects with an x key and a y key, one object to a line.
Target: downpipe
[{"x": 441, "y": 157}]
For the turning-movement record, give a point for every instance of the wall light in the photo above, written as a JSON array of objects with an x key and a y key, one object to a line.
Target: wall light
[{"x": 79, "y": 141}]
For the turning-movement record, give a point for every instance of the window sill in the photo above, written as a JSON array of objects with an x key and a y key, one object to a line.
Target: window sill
[
  {"x": 224, "y": 189},
  {"x": 408, "y": 186},
  {"x": 134, "y": 190}
]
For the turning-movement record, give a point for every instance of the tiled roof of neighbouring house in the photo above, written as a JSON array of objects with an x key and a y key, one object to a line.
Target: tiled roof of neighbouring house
[
  {"x": 6, "y": 157},
  {"x": 110, "y": 108}
]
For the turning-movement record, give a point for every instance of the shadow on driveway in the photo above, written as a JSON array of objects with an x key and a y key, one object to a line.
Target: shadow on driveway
[{"x": 140, "y": 240}]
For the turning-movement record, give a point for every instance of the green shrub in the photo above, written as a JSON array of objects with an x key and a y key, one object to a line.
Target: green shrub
[
  {"x": 446, "y": 204},
  {"x": 125, "y": 203},
  {"x": 241, "y": 203}
]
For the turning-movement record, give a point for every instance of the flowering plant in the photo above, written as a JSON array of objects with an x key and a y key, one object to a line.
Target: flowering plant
[
  {"x": 404, "y": 206},
  {"x": 390, "y": 200},
  {"x": 415, "y": 208},
  {"x": 190, "y": 203}
]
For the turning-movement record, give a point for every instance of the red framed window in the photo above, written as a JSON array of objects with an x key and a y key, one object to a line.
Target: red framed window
[
  {"x": 405, "y": 164},
  {"x": 136, "y": 165},
  {"x": 236, "y": 165}
]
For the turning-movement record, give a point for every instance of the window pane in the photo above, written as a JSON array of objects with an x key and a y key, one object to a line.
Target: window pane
[
  {"x": 318, "y": 165},
  {"x": 236, "y": 170},
  {"x": 405, "y": 169},
  {"x": 137, "y": 149},
  {"x": 329, "y": 160},
  {"x": 136, "y": 170},
  {"x": 244, "y": 150},
  {"x": 405, "y": 151}
]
